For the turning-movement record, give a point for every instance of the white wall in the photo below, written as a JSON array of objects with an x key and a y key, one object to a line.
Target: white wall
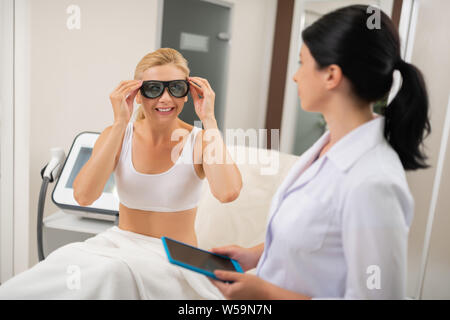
[
  {"x": 6, "y": 138},
  {"x": 431, "y": 54},
  {"x": 72, "y": 73},
  {"x": 250, "y": 61}
]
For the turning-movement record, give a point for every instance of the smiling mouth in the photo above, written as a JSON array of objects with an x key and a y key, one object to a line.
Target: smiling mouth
[{"x": 165, "y": 110}]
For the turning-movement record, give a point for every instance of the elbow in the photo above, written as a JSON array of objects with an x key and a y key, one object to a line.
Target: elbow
[
  {"x": 82, "y": 194},
  {"x": 82, "y": 199},
  {"x": 229, "y": 196}
]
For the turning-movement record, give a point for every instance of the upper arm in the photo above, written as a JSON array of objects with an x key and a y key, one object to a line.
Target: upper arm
[
  {"x": 101, "y": 141},
  {"x": 375, "y": 238},
  {"x": 198, "y": 155}
]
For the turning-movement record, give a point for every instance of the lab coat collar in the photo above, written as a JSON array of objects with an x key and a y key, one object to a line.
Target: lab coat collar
[
  {"x": 354, "y": 144},
  {"x": 344, "y": 154},
  {"x": 295, "y": 175}
]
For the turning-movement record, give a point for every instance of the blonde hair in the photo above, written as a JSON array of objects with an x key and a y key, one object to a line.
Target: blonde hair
[{"x": 159, "y": 57}]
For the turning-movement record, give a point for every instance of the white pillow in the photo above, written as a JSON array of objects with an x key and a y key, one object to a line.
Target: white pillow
[{"x": 243, "y": 221}]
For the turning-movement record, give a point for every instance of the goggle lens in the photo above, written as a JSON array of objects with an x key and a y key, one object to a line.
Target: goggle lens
[
  {"x": 153, "y": 89},
  {"x": 178, "y": 88}
]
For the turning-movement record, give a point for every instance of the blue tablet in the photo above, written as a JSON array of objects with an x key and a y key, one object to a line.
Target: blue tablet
[{"x": 198, "y": 260}]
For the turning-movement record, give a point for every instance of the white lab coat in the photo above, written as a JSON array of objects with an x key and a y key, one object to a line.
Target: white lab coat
[{"x": 338, "y": 228}]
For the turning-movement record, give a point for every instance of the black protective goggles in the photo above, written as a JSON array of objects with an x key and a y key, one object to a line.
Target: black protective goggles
[{"x": 152, "y": 89}]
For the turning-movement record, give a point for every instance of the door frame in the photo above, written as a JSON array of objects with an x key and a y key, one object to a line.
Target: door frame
[
  {"x": 289, "y": 104},
  {"x": 7, "y": 140},
  {"x": 22, "y": 73},
  {"x": 15, "y": 142}
]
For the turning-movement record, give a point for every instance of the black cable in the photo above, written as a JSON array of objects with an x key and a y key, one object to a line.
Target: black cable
[{"x": 41, "y": 204}]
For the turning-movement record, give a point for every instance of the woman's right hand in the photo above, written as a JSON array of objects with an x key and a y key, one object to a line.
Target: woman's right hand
[
  {"x": 122, "y": 99},
  {"x": 247, "y": 257}
]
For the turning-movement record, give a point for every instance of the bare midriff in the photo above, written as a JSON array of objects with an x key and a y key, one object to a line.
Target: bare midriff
[{"x": 178, "y": 225}]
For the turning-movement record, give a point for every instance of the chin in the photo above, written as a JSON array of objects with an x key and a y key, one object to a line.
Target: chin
[
  {"x": 304, "y": 106},
  {"x": 308, "y": 107}
]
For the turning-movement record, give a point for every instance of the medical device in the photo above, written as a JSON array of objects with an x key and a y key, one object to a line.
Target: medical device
[
  {"x": 106, "y": 207},
  {"x": 198, "y": 260},
  {"x": 49, "y": 174}
]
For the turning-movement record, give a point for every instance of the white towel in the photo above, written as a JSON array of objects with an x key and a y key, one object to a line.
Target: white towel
[{"x": 115, "y": 264}]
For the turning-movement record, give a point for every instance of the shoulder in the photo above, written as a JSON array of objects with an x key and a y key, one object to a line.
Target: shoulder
[
  {"x": 184, "y": 129},
  {"x": 381, "y": 164},
  {"x": 376, "y": 188}
]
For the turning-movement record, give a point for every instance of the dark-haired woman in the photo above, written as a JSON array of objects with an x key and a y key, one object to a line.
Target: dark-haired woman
[{"x": 338, "y": 225}]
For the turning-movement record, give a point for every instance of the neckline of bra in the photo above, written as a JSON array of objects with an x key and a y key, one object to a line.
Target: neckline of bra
[{"x": 155, "y": 174}]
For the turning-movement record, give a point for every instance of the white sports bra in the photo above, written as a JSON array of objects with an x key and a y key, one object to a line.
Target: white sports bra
[{"x": 176, "y": 189}]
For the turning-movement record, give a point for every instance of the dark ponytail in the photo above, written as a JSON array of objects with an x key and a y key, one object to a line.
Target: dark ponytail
[
  {"x": 368, "y": 58},
  {"x": 407, "y": 117}
]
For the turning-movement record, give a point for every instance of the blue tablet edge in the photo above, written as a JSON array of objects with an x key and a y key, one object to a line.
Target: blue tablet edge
[{"x": 236, "y": 264}]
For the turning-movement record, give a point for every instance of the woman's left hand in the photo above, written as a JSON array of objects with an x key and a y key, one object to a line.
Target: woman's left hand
[
  {"x": 204, "y": 106},
  {"x": 245, "y": 286}
]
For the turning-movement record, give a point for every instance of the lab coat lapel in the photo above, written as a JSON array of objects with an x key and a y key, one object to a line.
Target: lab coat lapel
[
  {"x": 306, "y": 176},
  {"x": 297, "y": 171}
]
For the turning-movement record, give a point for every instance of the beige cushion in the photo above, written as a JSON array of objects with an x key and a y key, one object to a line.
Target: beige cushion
[{"x": 244, "y": 220}]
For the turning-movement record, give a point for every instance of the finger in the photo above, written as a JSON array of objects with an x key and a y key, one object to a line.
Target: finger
[
  {"x": 195, "y": 94},
  {"x": 121, "y": 84},
  {"x": 137, "y": 83},
  {"x": 199, "y": 82},
  {"x": 222, "y": 286},
  {"x": 205, "y": 87},
  {"x": 130, "y": 87},
  {"x": 125, "y": 91},
  {"x": 206, "y": 82},
  {"x": 132, "y": 95},
  {"x": 195, "y": 83},
  {"x": 203, "y": 82},
  {"x": 196, "y": 86},
  {"x": 125, "y": 83},
  {"x": 227, "y": 275},
  {"x": 223, "y": 250}
]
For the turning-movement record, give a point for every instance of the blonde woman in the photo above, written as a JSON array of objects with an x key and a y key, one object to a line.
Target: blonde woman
[
  {"x": 160, "y": 163},
  {"x": 158, "y": 193}
]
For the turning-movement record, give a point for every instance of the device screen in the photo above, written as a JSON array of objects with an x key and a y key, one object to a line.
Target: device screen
[
  {"x": 83, "y": 157},
  {"x": 198, "y": 258}
]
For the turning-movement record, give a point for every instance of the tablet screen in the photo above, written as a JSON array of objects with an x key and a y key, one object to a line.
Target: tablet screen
[{"x": 198, "y": 258}]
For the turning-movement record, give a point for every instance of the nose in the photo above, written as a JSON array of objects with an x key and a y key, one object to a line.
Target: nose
[
  {"x": 165, "y": 96},
  {"x": 296, "y": 74}
]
